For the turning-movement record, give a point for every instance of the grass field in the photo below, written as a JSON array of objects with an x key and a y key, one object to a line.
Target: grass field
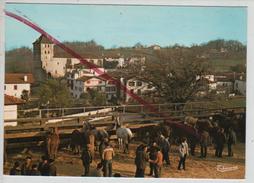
[{"x": 220, "y": 65}]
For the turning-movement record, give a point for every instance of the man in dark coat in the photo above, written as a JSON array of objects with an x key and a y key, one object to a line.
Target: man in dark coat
[
  {"x": 140, "y": 161},
  {"x": 15, "y": 170},
  {"x": 165, "y": 150},
  {"x": 204, "y": 138},
  {"x": 231, "y": 140},
  {"x": 220, "y": 140},
  {"x": 86, "y": 160},
  {"x": 152, "y": 156},
  {"x": 44, "y": 166},
  {"x": 26, "y": 166}
]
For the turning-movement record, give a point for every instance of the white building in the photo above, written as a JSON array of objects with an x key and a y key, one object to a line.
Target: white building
[
  {"x": 10, "y": 110},
  {"x": 137, "y": 87},
  {"x": 136, "y": 60},
  {"x": 85, "y": 83},
  {"x": 120, "y": 61},
  {"x": 155, "y": 47},
  {"x": 55, "y": 61},
  {"x": 16, "y": 83}
]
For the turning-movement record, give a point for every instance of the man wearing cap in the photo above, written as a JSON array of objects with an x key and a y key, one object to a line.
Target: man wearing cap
[{"x": 107, "y": 157}]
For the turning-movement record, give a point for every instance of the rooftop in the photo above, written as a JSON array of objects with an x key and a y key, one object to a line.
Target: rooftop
[
  {"x": 18, "y": 78},
  {"x": 11, "y": 100}
]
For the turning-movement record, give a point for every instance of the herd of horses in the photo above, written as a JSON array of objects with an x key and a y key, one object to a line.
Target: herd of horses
[
  {"x": 191, "y": 128},
  {"x": 88, "y": 137}
]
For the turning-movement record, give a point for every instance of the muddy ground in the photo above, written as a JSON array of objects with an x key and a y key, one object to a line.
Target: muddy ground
[{"x": 234, "y": 167}]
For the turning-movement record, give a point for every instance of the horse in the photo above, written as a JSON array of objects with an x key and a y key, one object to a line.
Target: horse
[
  {"x": 76, "y": 141},
  {"x": 52, "y": 142},
  {"x": 124, "y": 136},
  {"x": 100, "y": 136}
]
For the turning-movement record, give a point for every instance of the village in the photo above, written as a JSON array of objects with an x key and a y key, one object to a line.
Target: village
[
  {"x": 61, "y": 92},
  {"x": 50, "y": 63}
]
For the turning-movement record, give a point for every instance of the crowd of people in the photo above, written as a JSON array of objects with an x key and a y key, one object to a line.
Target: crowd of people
[
  {"x": 154, "y": 154},
  {"x": 46, "y": 167}
]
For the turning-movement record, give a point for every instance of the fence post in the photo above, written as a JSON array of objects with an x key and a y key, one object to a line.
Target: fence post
[
  {"x": 84, "y": 109},
  {"x": 62, "y": 111},
  {"x": 40, "y": 114},
  {"x": 124, "y": 109}
]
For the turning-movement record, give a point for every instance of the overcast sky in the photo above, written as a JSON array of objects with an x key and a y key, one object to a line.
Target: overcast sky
[{"x": 113, "y": 26}]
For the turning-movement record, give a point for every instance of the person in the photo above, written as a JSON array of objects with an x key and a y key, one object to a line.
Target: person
[
  {"x": 158, "y": 163},
  {"x": 183, "y": 153},
  {"x": 231, "y": 140},
  {"x": 44, "y": 166},
  {"x": 203, "y": 143},
  {"x": 15, "y": 170},
  {"x": 117, "y": 174},
  {"x": 165, "y": 150},
  {"x": 107, "y": 158},
  {"x": 86, "y": 160},
  {"x": 27, "y": 166},
  {"x": 97, "y": 172},
  {"x": 52, "y": 168},
  {"x": 140, "y": 160},
  {"x": 34, "y": 170},
  {"x": 152, "y": 156},
  {"x": 221, "y": 139}
]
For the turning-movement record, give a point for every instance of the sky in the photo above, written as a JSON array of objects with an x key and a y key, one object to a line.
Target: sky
[{"x": 115, "y": 26}]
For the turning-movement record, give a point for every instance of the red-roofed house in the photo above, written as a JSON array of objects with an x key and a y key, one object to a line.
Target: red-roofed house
[
  {"x": 16, "y": 83},
  {"x": 10, "y": 109}
]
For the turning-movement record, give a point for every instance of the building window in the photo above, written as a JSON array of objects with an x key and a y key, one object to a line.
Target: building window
[
  {"x": 131, "y": 83},
  {"x": 100, "y": 82},
  {"x": 48, "y": 52},
  {"x": 139, "y": 83},
  {"x": 88, "y": 82},
  {"x": 139, "y": 92},
  {"x": 45, "y": 52},
  {"x": 4, "y": 87},
  {"x": 15, "y": 87}
]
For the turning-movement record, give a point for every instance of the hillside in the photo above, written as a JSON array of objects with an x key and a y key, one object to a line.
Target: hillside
[{"x": 220, "y": 55}]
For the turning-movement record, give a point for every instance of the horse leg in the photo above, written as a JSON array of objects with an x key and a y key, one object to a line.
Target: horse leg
[{"x": 119, "y": 143}]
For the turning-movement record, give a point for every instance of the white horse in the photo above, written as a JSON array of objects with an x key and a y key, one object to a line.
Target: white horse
[{"x": 124, "y": 136}]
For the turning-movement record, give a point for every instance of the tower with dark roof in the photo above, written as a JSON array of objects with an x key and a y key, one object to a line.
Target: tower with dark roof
[{"x": 42, "y": 50}]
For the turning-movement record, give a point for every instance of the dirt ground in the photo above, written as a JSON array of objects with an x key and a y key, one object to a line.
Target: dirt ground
[{"x": 233, "y": 167}]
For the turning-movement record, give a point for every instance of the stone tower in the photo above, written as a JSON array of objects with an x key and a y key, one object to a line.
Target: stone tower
[{"x": 42, "y": 53}]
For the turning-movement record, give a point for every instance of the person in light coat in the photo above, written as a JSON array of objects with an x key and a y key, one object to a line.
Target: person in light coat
[{"x": 183, "y": 153}]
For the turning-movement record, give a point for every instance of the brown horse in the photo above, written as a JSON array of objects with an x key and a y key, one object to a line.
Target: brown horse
[{"x": 53, "y": 142}]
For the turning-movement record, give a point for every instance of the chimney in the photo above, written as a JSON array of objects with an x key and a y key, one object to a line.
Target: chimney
[{"x": 25, "y": 78}]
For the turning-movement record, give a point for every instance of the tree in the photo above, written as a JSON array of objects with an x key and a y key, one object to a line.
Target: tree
[
  {"x": 239, "y": 68},
  {"x": 25, "y": 95},
  {"x": 54, "y": 93},
  {"x": 174, "y": 75},
  {"x": 93, "y": 98}
]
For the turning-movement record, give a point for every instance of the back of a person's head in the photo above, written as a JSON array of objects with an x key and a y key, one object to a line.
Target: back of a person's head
[
  {"x": 106, "y": 144},
  {"x": 34, "y": 166},
  {"x": 16, "y": 164},
  {"x": 117, "y": 175},
  {"x": 99, "y": 166}
]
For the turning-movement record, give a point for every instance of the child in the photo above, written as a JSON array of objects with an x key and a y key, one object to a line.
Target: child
[{"x": 183, "y": 152}]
